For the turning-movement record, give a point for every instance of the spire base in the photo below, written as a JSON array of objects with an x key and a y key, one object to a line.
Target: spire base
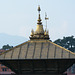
[{"x": 42, "y": 37}]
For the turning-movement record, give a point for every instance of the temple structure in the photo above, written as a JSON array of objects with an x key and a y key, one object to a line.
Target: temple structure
[{"x": 38, "y": 56}]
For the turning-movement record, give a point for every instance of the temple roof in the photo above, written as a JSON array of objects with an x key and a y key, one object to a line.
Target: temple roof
[
  {"x": 38, "y": 49},
  {"x": 38, "y": 55}
]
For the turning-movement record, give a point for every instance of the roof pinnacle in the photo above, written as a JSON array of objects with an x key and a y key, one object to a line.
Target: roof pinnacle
[
  {"x": 39, "y": 33},
  {"x": 39, "y": 18}
]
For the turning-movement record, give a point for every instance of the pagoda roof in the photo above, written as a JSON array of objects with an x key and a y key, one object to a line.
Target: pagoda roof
[
  {"x": 38, "y": 55},
  {"x": 37, "y": 49}
]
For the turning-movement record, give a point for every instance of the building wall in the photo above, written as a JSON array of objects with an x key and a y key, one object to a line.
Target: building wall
[{"x": 5, "y": 70}]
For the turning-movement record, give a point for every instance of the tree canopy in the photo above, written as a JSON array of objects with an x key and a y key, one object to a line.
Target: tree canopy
[
  {"x": 7, "y": 47},
  {"x": 67, "y": 42}
]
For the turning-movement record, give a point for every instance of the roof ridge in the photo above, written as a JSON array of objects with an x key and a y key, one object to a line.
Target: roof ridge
[
  {"x": 63, "y": 48},
  {"x": 14, "y": 47}
]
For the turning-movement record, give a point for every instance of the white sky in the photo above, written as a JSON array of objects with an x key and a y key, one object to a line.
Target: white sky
[{"x": 18, "y": 17}]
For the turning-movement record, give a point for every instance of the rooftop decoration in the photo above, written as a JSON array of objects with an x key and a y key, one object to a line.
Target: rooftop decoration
[{"x": 39, "y": 33}]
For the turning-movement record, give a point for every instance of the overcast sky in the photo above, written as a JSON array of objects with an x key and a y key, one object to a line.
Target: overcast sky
[{"x": 18, "y": 17}]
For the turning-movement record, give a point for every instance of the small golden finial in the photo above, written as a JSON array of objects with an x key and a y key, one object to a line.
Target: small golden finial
[
  {"x": 32, "y": 32},
  {"x": 47, "y": 32}
]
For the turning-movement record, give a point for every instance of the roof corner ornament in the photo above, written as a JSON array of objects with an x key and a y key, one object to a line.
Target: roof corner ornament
[
  {"x": 32, "y": 32},
  {"x": 46, "y": 33}
]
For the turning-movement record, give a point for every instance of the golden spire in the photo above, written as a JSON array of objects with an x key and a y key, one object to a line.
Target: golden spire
[
  {"x": 39, "y": 19},
  {"x": 39, "y": 33},
  {"x": 39, "y": 28}
]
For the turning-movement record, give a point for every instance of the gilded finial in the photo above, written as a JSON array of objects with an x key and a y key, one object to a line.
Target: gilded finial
[
  {"x": 47, "y": 32},
  {"x": 32, "y": 32}
]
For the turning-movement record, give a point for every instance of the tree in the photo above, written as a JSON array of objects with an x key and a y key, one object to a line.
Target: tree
[
  {"x": 67, "y": 42},
  {"x": 7, "y": 47}
]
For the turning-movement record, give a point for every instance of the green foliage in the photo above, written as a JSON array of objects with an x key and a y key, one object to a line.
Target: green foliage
[
  {"x": 67, "y": 42},
  {"x": 7, "y": 47}
]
